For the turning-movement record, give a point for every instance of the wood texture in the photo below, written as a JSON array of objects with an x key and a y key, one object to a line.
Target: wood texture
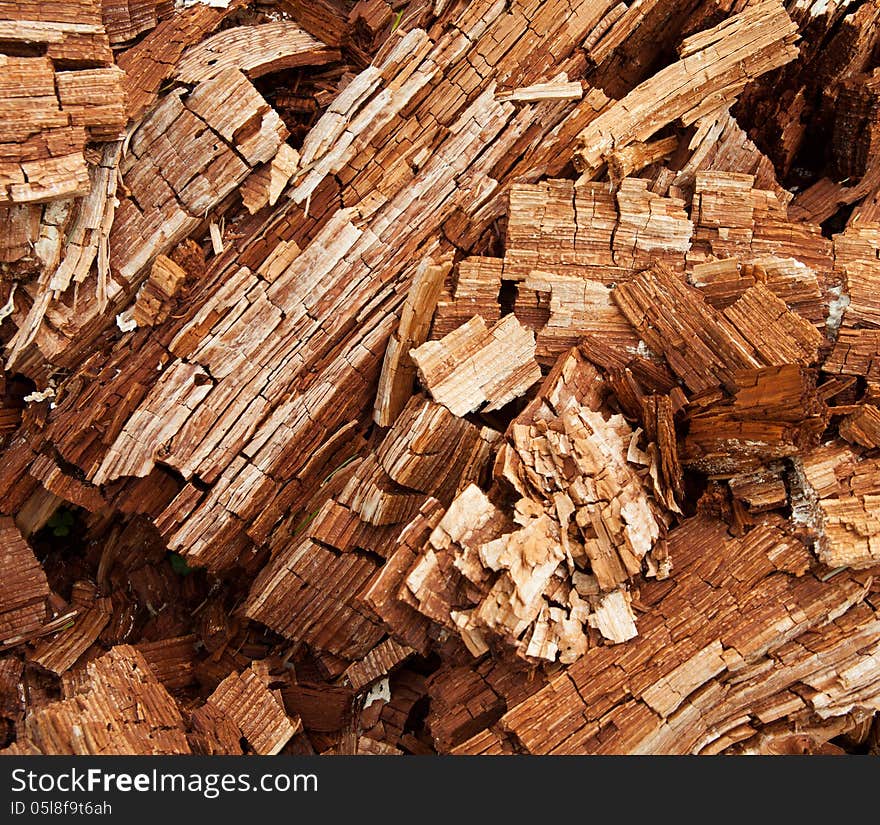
[{"x": 456, "y": 377}]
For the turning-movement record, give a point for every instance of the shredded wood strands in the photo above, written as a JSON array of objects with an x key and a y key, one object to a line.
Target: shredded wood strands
[
  {"x": 470, "y": 377},
  {"x": 559, "y": 562}
]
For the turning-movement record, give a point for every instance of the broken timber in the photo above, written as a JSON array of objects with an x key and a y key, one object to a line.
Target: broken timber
[{"x": 453, "y": 384}]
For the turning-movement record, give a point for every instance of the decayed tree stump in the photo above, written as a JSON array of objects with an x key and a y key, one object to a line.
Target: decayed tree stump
[{"x": 463, "y": 377}]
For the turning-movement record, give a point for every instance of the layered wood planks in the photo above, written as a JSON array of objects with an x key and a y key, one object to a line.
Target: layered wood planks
[
  {"x": 480, "y": 379},
  {"x": 49, "y": 109}
]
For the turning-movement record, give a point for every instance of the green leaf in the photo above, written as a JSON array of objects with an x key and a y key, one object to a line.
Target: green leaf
[
  {"x": 61, "y": 521},
  {"x": 179, "y": 565},
  {"x": 309, "y": 518}
]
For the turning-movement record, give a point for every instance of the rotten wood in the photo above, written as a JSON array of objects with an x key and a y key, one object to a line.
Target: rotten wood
[{"x": 451, "y": 377}]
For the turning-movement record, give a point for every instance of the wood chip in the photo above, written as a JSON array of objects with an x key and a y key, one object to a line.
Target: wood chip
[{"x": 475, "y": 366}]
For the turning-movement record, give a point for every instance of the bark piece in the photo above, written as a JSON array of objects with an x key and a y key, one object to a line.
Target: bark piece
[
  {"x": 777, "y": 334},
  {"x": 322, "y": 613},
  {"x": 171, "y": 660},
  {"x": 855, "y": 255},
  {"x": 325, "y": 19},
  {"x": 560, "y": 228},
  {"x": 554, "y": 90},
  {"x": 151, "y": 61},
  {"x": 651, "y": 229},
  {"x": 613, "y": 617},
  {"x": 94, "y": 99},
  {"x": 623, "y": 162},
  {"x": 48, "y": 116},
  {"x": 775, "y": 413},
  {"x": 756, "y": 330},
  {"x": 578, "y": 307},
  {"x": 658, "y": 415},
  {"x": 856, "y": 139},
  {"x": 862, "y": 427},
  {"x": 50, "y": 109},
  {"x": 462, "y": 703},
  {"x": 178, "y": 169},
  {"x": 701, "y": 347},
  {"x": 856, "y": 352},
  {"x": 760, "y": 491}
]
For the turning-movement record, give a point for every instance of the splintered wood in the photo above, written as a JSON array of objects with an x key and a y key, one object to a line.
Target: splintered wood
[
  {"x": 245, "y": 701},
  {"x": 49, "y": 109},
  {"x": 255, "y": 50},
  {"x": 119, "y": 708},
  {"x": 24, "y": 585},
  {"x": 714, "y": 68},
  {"x": 474, "y": 366},
  {"x": 177, "y": 169},
  {"x": 455, "y": 377},
  {"x": 582, "y": 508}
]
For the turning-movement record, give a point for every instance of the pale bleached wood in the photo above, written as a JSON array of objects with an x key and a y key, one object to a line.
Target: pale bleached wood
[
  {"x": 398, "y": 370},
  {"x": 714, "y": 68},
  {"x": 475, "y": 366}
]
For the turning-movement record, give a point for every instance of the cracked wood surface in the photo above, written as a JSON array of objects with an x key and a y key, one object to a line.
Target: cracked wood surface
[{"x": 464, "y": 385}]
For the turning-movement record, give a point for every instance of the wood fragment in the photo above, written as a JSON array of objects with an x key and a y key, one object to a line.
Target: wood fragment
[
  {"x": 476, "y": 366},
  {"x": 477, "y": 285},
  {"x": 839, "y": 502},
  {"x": 25, "y": 589},
  {"x": 555, "y": 90},
  {"x": 461, "y": 378},
  {"x": 377, "y": 663},
  {"x": 121, "y": 709},
  {"x": 151, "y": 61},
  {"x": 266, "y": 184},
  {"x": 516, "y": 569},
  {"x": 398, "y": 371},
  {"x": 715, "y": 66},
  {"x": 245, "y": 700},
  {"x": 254, "y": 50},
  {"x": 153, "y": 301},
  {"x": 60, "y": 652}
]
